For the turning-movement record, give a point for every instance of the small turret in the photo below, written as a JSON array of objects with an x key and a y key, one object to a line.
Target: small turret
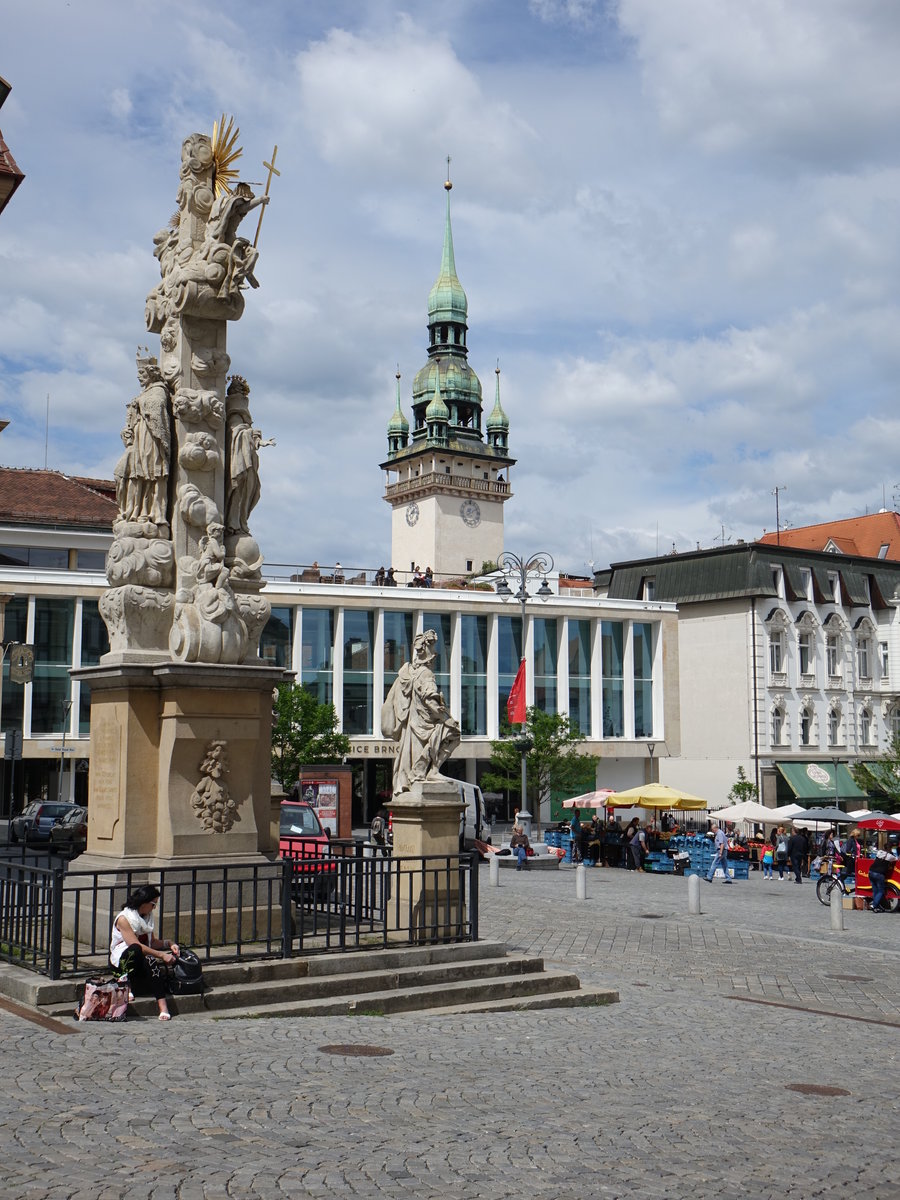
[
  {"x": 498, "y": 421},
  {"x": 398, "y": 426},
  {"x": 437, "y": 417}
]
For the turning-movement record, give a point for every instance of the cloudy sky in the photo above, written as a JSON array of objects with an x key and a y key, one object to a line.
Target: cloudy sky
[{"x": 676, "y": 222}]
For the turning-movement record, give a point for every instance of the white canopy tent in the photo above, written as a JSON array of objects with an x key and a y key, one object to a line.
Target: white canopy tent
[{"x": 747, "y": 810}]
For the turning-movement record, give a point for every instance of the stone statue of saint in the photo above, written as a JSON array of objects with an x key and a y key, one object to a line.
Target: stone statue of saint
[
  {"x": 243, "y": 442},
  {"x": 416, "y": 716},
  {"x": 142, "y": 473}
]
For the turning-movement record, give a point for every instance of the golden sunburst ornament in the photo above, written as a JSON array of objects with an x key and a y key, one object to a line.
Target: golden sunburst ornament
[{"x": 225, "y": 152}]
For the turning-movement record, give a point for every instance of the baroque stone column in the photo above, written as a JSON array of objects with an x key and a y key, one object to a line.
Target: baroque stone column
[{"x": 182, "y": 705}]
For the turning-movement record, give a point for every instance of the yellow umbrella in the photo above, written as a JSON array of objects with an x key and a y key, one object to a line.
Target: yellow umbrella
[{"x": 654, "y": 795}]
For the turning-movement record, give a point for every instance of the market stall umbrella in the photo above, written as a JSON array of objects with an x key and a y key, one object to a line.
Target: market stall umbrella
[
  {"x": 747, "y": 810},
  {"x": 823, "y": 816},
  {"x": 589, "y": 799},
  {"x": 884, "y": 824},
  {"x": 787, "y": 812},
  {"x": 654, "y": 795}
]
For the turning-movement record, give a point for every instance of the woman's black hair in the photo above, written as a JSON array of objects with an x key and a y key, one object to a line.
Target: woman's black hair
[{"x": 142, "y": 895}]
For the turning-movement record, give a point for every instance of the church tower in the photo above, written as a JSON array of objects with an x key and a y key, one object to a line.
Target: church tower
[{"x": 446, "y": 482}]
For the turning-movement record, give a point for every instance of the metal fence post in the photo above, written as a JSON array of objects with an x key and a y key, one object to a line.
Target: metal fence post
[
  {"x": 56, "y": 903},
  {"x": 473, "y": 895},
  {"x": 287, "y": 881}
]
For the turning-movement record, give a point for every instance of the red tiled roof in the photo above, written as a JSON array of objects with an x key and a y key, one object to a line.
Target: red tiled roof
[
  {"x": 35, "y": 497},
  {"x": 855, "y": 535},
  {"x": 10, "y": 175}
]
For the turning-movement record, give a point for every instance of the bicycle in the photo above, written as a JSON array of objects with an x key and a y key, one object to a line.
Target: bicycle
[{"x": 829, "y": 879}]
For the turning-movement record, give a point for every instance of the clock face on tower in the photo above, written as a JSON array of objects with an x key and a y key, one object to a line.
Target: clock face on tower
[
  {"x": 470, "y": 513},
  {"x": 412, "y": 514}
]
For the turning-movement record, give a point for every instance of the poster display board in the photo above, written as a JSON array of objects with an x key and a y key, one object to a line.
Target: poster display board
[{"x": 322, "y": 795}]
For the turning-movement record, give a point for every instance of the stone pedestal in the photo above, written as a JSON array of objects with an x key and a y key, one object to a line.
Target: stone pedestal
[
  {"x": 180, "y": 764},
  {"x": 426, "y": 822}
]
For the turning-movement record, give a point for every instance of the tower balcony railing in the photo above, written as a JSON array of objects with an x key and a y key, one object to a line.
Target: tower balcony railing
[{"x": 489, "y": 487}]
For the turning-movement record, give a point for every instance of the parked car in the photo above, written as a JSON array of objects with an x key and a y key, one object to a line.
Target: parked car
[
  {"x": 69, "y": 835},
  {"x": 303, "y": 838},
  {"x": 36, "y": 820}
]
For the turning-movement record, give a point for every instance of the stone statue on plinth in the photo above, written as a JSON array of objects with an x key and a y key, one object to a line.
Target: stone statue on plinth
[{"x": 416, "y": 716}]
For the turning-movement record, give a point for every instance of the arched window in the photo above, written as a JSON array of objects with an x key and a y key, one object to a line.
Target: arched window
[
  {"x": 806, "y": 725},
  {"x": 895, "y": 721},
  {"x": 865, "y": 727},
  {"x": 834, "y": 726},
  {"x": 777, "y": 725}
]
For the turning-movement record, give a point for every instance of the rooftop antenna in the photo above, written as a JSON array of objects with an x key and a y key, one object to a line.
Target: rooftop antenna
[
  {"x": 775, "y": 492},
  {"x": 47, "y": 432}
]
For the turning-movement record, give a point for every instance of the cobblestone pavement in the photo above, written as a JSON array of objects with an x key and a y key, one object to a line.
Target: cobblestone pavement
[{"x": 684, "y": 1089}]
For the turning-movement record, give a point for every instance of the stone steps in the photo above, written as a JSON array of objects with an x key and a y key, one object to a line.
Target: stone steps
[{"x": 467, "y": 977}]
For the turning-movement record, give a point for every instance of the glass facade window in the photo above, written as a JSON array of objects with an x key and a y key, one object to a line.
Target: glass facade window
[
  {"x": 35, "y": 556},
  {"x": 440, "y": 623},
  {"x": 317, "y": 653},
  {"x": 359, "y": 660},
  {"x": 54, "y": 622},
  {"x": 275, "y": 643},
  {"x": 94, "y": 643},
  {"x": 642, "y": 647},
  {"x": 398, "y": 638},
  {"x": 14, "y": 693},
  {"x": 612, "y": 653},
  {"x": 545, "y": 663},
  {"x": 509, "y": 655},
  {"x": 580, "y": 675},
  {"x": 473, "y": 638},
  {"x": 91, "y": 560}
]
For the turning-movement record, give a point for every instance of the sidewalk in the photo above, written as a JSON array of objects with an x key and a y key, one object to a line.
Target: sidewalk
[{"x": 688, "y": 1088}]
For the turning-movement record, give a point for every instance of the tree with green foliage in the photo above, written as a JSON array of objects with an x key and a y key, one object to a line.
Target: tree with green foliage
[
  {"x": 553, "y": 763},
  {"x": 880, "y": 777},
  {"x": 303, "y": 732},
  {"x": 743, "y": 789}
]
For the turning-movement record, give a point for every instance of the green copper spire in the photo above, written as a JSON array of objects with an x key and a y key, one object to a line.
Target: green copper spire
[
  {"x": 497, "y": 420},
  {"x": 447, "y": 300}
]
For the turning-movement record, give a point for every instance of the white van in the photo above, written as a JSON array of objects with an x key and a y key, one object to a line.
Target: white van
[{"x": 473, "y": 821}]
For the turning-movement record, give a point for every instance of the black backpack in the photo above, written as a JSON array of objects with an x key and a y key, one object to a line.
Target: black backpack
[{"x": 186, "y": 975}]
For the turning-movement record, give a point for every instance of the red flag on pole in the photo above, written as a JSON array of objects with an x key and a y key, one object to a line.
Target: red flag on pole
[{"x": 515, "y": 705}]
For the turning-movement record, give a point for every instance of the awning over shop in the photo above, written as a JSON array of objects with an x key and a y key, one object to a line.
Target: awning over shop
[{"x": 815, "y": 781}]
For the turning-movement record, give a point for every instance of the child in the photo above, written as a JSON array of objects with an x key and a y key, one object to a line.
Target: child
[{"x": 767, "y": 859}]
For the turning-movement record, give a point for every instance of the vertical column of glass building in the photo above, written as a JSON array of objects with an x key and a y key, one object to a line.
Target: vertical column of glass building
[{"x": 613, "y": 658}]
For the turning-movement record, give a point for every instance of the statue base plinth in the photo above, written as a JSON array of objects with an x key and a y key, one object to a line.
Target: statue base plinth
[
  {"x": 180, "y": 764},
  {"x": 426, "y": 824}
]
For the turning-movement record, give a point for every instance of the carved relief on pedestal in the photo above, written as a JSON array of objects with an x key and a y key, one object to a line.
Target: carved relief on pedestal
[
  {"x": 255, "y": 611},
  {"x": 147, "y": 562},
  {"x": 211, "y": 800},
  {"x": 138, "y": 619}
]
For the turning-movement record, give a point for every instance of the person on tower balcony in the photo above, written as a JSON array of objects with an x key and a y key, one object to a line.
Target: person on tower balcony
[{"x": 428, "y": 580}]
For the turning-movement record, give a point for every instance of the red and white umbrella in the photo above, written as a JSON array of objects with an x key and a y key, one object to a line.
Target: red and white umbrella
[{"x": 589, "y": 799}]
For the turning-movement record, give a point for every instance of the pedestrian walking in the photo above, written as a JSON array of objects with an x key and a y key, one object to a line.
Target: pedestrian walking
[
  {"x": 720, "y": 853},
  {"x": 638, "y": 847},
  {"x": 768, "y": 859},
  {"x": 796, "y": 851},
  {"x": 781, "y": 851}
]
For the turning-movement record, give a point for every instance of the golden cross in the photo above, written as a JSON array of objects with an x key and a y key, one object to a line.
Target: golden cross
[{"x": 272, "y": 169}]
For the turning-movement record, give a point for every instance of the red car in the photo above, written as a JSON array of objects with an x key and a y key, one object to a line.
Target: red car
[{"x": 303, "y": 839}]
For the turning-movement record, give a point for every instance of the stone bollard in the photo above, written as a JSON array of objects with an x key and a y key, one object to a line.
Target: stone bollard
[
  {"x": 694, "y": 895},
  {"x": 494, "y": 867},
  {"x": 836, "y": 903},
  {"x": 580, "y": 883}
]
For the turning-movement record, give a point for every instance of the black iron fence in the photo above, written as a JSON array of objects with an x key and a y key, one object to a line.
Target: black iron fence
[{"x": 345, "y": 896}]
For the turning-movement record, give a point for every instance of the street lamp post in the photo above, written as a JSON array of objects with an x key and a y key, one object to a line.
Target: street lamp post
[
  {"x": 67, "y": 708},
  {"x": 835, "y": 760},
  {"x": 524, "y": 571}
]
